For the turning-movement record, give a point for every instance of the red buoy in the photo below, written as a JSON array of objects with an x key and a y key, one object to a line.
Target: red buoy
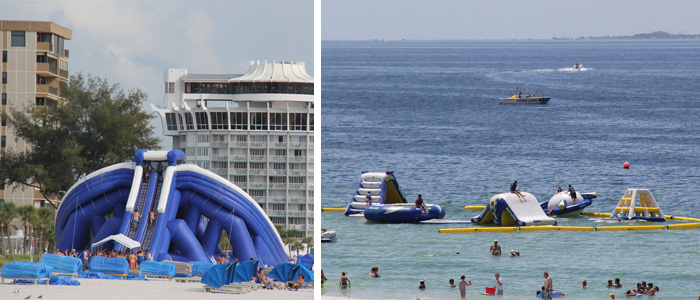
[{"x": 626, "y": 165}]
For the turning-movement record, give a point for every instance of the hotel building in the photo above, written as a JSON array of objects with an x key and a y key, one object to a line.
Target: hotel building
[
  {"x": 254, "y": 129},
  {"x": 34, "y": 62}
]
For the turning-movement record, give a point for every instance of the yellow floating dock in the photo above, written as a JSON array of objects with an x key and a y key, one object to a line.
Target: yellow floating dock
[
  {"x": 475, "y": 207},
  {"x": 331, "y": 209}
]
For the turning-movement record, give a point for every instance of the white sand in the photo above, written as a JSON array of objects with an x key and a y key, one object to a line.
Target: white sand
[{"x": 106, "y": 289}]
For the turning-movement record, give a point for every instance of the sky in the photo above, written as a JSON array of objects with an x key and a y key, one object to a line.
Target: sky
[
  {"x": 504, "y": 19},
  {"x": 132, "y": 43}
]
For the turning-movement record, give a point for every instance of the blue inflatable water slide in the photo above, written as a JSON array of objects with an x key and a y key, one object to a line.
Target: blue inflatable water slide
[{"x": 192, "y": 207}]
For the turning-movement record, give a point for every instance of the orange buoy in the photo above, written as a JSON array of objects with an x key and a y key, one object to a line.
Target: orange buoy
[{"x": 626, "y": 165}]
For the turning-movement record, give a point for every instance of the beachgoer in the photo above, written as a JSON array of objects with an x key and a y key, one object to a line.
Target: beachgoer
[
  {"x": 344, "y": 282},
  {"x": 452, "y": 283},
  {"x": 296, "y": 284},
  {"x": 584, "y": 285},
  {"x": 323, "y": 278},
  {"x": 463, "y": 287},
  {"x": 136, "y": 218},
  {"x": 610, "y": 283},
  {"x": 612, "y": 295},
  {"x": 547, "y": 286},
  {"x": 267, "y": 282},
  {"x": 421, "y": 285},
  {"x": 499, "y": 285},
  {"x": 514, "y": 253},
  {"x": 495, "y": 248},
  {"x": 368, "y": 199},
  {"x": 559, "y": 190},
  {"x": 151, "y": 217},
  {"x": 420, "y": 204},
  {"x": 514, "y": 189},
  {"x": 572, "y": 193}
]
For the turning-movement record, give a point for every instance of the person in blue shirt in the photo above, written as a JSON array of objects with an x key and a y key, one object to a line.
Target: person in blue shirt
[
  {"x": 420, "y": 204},
  {"x": 572, "y": 193},
  {"x": 368, "y": 199}
]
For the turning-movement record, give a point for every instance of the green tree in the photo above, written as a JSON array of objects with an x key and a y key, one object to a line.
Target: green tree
[
  {"x": 26, "y": 213},
  {"x": 296, "y": 246},
  {"x": 98, "y": 125},
  {"x": 309, "y": 241},
  {"x": 8, "y": 211},
  {"x": 45, "y": 216}
]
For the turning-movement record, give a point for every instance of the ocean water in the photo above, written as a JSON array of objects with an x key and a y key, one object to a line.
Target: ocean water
[{"x": 428, "y": 110}]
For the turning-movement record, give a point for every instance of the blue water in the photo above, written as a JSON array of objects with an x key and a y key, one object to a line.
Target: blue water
[{"x": 429, "y": 111}]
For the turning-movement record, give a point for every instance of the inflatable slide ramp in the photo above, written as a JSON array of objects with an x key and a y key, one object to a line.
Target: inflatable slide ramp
[
  {"x": 381, "y": 186},
  {"x": 508, "y": 209}
]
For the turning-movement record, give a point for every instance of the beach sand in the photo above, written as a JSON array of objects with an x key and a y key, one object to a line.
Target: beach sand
[{"x": 105, "y": 289}]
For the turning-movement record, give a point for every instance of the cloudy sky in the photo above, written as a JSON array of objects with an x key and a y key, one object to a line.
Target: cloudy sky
[
  {"x": 133, "y": 42},
  {"x": 504, "y": 19}
]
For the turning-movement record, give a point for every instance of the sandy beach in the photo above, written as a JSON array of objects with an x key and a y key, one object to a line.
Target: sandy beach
[{"x": 105, "y": 289}]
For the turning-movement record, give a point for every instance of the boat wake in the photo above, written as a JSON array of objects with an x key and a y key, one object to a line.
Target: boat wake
[{"x": 582, "y": 69}]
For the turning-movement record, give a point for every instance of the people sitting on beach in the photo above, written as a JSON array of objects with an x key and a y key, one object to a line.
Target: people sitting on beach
[
  {"x": 495, "y": 248},
  {"x": 421, "y": 285},
  {"x": 584, "y": 285},
  {"x": 368, "y": 199},
  {"x": 267, "y": 282},
  {"x": 420, "y": 204},
  {"x": 617, "y": 283},
  {"x": 514, "y": 189},
  {"x": 374, "y": 272},
  {"x": 452, "y": 283},
  {"x": 344, "y": 282},
  {"x": 296, "y": 284},
  {"x": 514, "y": 253}
]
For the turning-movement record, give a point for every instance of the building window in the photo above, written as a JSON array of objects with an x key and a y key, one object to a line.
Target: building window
[
  {"x": 2, "y": 142},
  {"x": 297, "y": 121},
  {"x": 4, "y": 77},
  {"x": 239, "y": 120},
  {"x": 203, "y": 138},
  {"x": 18, "y": 39},
  {"x": 311, "y": 121},
  {"x": 202, "y": 121},
  {"x": 258, "y": 121},
  {"x": 202, "y": 151},
  {"x": 219, "y": 121},
  {"x": 4, "y": 99},
  {"x": 40, "y": 79},
  {"x": 4, "y": 56},
  {"x": 278, "y": 121},
  {"x": 171, "y": 121},
  {"x": 188, "y": 121},
  {"x": 179, "y": 118},
  {"x": 169, "y": 87},
  {"x": 40, "y": 101}
]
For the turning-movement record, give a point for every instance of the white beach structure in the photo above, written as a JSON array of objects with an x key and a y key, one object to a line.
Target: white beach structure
[{"x": 255, "y": 129}]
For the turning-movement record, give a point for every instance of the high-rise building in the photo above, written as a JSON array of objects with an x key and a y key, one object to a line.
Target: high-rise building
[
  {"x": 34, "y": 62},
  {"x": 255, "y": 129}
]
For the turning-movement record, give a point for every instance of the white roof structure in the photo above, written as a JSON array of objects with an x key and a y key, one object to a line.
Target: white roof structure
[
  {"x": 286, "y": 71},
  {"x": 119, "y": 238}
]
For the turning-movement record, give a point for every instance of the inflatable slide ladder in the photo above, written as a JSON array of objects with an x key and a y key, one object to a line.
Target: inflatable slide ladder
[
  {"x": 638, "y": 204},
  {"x": 381, "y": 186}
]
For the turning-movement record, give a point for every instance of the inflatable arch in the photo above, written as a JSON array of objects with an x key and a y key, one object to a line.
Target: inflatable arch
[{"x": 191, "y": 208}]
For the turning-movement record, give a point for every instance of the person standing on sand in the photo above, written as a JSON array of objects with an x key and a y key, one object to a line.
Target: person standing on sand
[
  {"x": 547, "y": 286},
  {"x": 344, "y": 282}
]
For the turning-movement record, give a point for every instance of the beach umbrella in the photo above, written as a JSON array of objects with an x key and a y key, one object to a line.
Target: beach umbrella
[
  {"x": 308, "y": 274},
  {"x": 219, "y": 275},
  {"x": 245, "y": 271}
]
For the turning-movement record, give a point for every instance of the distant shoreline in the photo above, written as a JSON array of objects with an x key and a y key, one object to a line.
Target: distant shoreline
[{"x": 656, "y": 35}]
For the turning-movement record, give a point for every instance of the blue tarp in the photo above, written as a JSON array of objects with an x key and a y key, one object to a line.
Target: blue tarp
[
  {"x": 100, "y": 275},
  {"x": 157, "y": 268},
  {"x": 306, "y": 259},
  {"x": 245, "y": 271},
  {"x": 109, "y": 265},
  {"x": 286, "y": 272},
  {"x": 61, "y": 263},
  {"x": 219, "y": 275},
  {"x": 23, "y": 269},
  {"x": 199, "y": 268}
]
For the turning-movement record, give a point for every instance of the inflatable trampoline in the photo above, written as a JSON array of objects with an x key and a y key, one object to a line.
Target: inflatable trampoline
[
  {"x": 562, "y": 205},
  {"x": 183, "y": 211}
]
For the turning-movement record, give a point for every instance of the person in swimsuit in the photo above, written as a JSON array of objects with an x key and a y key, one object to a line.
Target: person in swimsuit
[
  {"x": 495, "y": 248},
  {"x": 463, "y": 287},
  {"x": 514, "y": 189},
  {"x": 452, "y": 283},
  {"x": 368, "y": 199},
  {"x": 135, "y": 221},
  {"x": 499, "y": 284},
  {"x": 572, "y": 193},
  {"x": 420, "y": 204},
  {"x": 296, "y": 284},
  {"x": 547, "y": 286},
  {"x": 344, "y": 282}
]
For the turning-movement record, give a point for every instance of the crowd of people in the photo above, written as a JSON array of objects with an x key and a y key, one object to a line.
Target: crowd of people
[{"x": 642, "y": 288}]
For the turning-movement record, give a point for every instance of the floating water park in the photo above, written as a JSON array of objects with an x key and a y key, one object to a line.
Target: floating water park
[
  {"x": 379, "y": 198},
  {"x": 173, "y": 210}
]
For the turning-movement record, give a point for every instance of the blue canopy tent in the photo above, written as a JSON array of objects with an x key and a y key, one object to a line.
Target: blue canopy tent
[
  {"x": 286, "y": 272},
  {"x": 219, "y": 275},
  {"x": 306, "y": 259},
  {"x": 245, "y": 271}
]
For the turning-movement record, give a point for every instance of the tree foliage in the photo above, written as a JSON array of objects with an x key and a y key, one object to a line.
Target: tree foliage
[{"x": 98, "y": 125}]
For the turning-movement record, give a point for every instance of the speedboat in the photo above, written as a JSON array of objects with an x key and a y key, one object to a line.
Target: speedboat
[
  {"x": 562, "y": 205},
  {"x": 327, "y": 236},
  {"x": 525, "y": 98}
]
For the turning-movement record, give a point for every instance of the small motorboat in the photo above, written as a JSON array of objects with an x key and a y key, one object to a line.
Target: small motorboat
[
  {"x": 327, "y": 236},
  {"x": 525, "y": 98},
  {"x": 562, "y": 205},
  {"x": 403, "y": 213},
  {"x": 578, "y": 66}
]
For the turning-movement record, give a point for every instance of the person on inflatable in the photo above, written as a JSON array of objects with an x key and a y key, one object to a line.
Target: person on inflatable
[
  {"x": 368, "y": 199},
  {"x": 572, "y": 193},
  {"x": 514, "y": 189},
  {"x": 420, "y": 204}
]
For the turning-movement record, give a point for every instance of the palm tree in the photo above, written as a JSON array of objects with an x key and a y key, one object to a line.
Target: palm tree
[
  {"x": 289, "y": 241},
  {"x": 309, "y": 241},
  {"x": 26, "y": 213},
  {"x": 45, "y": 216},
  {"x": 8, "y": 211},
  {"x": 296, "y": 246}
]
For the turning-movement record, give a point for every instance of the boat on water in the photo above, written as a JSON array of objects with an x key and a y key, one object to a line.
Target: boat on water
[
  {"x": 525, "y": 98},
  {"x": 562, "y": 205},
  {"x": 328, "y": 236},
  {"x": 578, "y": 66}
]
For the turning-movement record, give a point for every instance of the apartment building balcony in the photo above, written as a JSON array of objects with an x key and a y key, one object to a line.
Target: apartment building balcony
[
  {"x": 278, "y": 185},
  {"x": 297, "y": 172},
  {"x": 298, "y": 226},
  {"x": 277, "y": 200},
  {"x": 239, "y": 144},
  {"x": 242, "y": 185},
  {"x": 297, "y": 145},
  {"x": 297, "y": 158},
  {"x": 47, "y": 69},
  {"x": 239, "y": 171},
  {"x": 258, "y": 144},
  {"x": 275, "y": 213},
  {"x": 219, "y": 144},
  {"x": 219, "y": 171},
  {"x": 278, "y": 172},
  {"x": 257, "y": 185},
  {"x": 278, "y": 158},
  {"x": 279, "y": 145},
  {"x": 297, "y": 200},
  {"x": 238, "y": 158},
  {"x": 258, "y": 157},
  {"x": 220, "y": 157},
  {"x": 296, "y": 186},
  {"x": 296, "y": 213},
  {"x": 261, "y": 199},
  {"x": 43, "y": 46}
]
